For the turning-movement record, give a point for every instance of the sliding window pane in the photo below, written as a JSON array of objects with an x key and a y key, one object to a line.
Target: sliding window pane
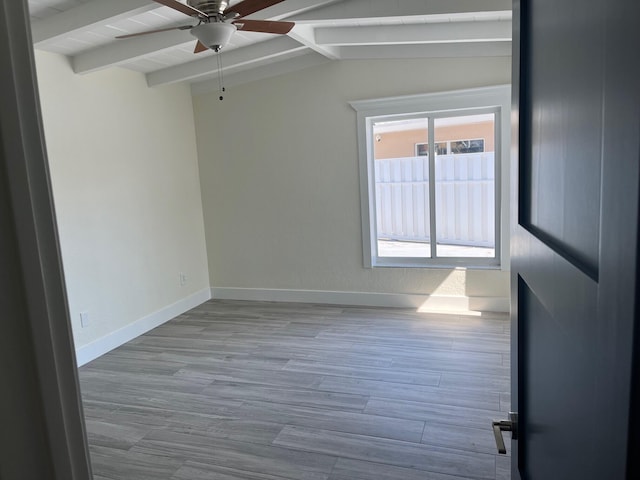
[
  {"x": 401, "y": 158},
  {"x": 465, "y": 186}
]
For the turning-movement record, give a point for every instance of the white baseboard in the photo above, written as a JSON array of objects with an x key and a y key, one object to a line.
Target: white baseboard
[
  {"x": 436, "y": 303},
  {"x": 113, "y": 340}
]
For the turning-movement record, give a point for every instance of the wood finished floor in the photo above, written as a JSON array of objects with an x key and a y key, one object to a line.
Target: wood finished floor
[{"x": 275, "y": 391}]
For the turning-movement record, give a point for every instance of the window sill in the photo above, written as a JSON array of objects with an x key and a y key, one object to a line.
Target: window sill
[{"x": 443, "y": 265}]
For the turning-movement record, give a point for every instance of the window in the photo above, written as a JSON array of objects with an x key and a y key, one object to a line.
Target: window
[
  {"x": 431, "y": 171},
  {"x": 466, "y": 146},
  {"x": 422, "y": 149},
  {"x": 451, "y": 147}
]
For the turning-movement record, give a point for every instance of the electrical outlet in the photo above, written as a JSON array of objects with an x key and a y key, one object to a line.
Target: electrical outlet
[
  {"x": 84, "y": 319},
  {"x": 183, "y": 279}
]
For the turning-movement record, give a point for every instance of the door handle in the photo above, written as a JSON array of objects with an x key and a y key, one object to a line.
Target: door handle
[{"x": 500, "y": 426}]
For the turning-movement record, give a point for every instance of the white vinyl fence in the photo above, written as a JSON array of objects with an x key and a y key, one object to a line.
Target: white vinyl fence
[{"x": 465, "y": 199}]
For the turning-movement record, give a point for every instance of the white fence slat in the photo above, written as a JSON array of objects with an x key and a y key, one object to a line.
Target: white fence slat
[{"x": 465, "y": 199}]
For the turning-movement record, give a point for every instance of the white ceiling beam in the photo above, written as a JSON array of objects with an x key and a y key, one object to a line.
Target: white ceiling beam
[
  {"x": 84, "y": 16},
  {"x": 306, "y": 36},
  {"x": 232, "y": 59},
  {"x": 271, "y": 69},
  {"x": 401, "y": 8},
  {"x": 415, "y": 34},
  {"x": 126, "y": 50},
  {"x": 436, "y": 50}
]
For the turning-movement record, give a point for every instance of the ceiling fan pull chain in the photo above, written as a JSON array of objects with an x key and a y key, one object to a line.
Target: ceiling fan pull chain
[{"x": 220, "y": 76}]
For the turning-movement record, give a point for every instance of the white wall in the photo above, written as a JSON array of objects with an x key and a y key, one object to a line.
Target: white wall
[
  {"x": 125, "y": 182},
  {"x": 279, "y": 176}
]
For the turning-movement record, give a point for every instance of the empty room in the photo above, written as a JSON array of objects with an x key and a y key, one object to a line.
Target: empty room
[{"x": 319, "y": 239}]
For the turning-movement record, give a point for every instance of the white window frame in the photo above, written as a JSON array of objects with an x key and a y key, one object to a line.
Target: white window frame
[{"x": 496, "y": 99}]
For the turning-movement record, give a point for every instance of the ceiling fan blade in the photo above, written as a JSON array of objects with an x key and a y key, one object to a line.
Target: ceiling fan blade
[
  {"x": 186, "y": 27},
  {"x": 264, "y": 26},
  {"x": 247, "y": 7},
  {"x": 183, "y": 8},
  {"x": 200, "y": 47}
]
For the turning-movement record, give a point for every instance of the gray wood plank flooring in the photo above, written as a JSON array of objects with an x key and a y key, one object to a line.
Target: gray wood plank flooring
[{"x": 276, "y": 391}]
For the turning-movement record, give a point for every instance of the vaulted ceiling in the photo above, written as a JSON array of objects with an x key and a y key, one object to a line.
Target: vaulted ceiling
[{"x": 326, "y": 30}]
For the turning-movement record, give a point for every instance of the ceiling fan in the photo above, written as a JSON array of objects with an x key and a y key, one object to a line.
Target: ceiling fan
[{"x": 217, "y": 21}]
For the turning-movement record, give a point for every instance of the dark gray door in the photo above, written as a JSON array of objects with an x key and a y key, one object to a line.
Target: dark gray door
[{"x": 575, "y": 238}]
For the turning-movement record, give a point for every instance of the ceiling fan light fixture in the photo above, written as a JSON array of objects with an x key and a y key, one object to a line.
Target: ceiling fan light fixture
[{"x": 214, "y": 35}]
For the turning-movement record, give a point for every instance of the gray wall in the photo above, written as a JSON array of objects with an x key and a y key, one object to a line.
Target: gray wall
[
  {"x": 125, "y": 182},
  {"x": 279, "y": 176}
]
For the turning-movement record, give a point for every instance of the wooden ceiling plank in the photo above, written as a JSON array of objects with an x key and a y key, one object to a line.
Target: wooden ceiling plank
[{"x": 85, "y": 16}]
